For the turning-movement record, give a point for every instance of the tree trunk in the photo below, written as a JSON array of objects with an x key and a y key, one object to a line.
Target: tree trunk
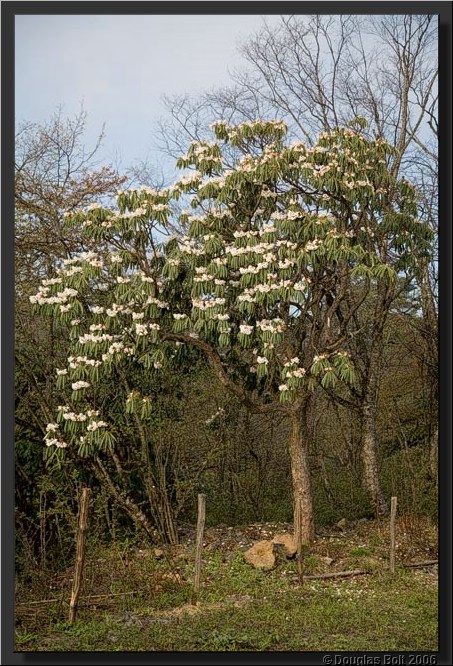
[
  {"x": 156, "y": 488},
  {"x": 123, "y": 499},
  {"x": 80, "y": 554},
  {"x": 303, "y": 506},
  {"x": 434, "y": 454},
  {"x": 430, "y": 335},
  {"x": 368, "y": 434}
]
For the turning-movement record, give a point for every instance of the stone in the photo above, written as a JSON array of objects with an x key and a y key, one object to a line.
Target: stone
[
  {"x": 342, "y": 524},
  {"x": 326, "y": 560},
  {"x": 261, "y": 555},
  {"x": 174, "y": 577},
  {"x": 287, "y": 541},
  {"x": 158, "y": 553}
]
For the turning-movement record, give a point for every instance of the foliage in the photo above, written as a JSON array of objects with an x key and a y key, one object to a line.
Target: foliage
[
  {"x": 276, "y": 235},
  {"x": 54, "y": 172},
  {"x": 383, "y": 69},
  {"x": 258, "y": 287},
  {"x": 297, "y": 269}
]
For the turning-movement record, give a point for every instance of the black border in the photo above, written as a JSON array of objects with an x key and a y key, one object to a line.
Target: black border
[{"x": 8, "y": 11}]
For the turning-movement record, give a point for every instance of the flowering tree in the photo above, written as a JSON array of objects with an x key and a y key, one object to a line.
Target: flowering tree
[
  {"x": 384, "y": 68},
  {"x": 260, "y": 283}
]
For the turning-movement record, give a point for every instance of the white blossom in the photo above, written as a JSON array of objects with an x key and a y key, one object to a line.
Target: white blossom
[
  {"x": 52, "y": 427},
  {"x": 56, "y": 442},
  {"x": 79, "y": 385},
  {"x": 71, "y": 416},
  {"x": 94, "y": 425},
  {"x": 313, "y": 245},
  {"x": 287, "y": 263},
  {"x": 319, "y": 357},
  {"x": 73, "y": 270},
  {"x": 292, "y": 361},
  {"x": 156, "y": 301},
  {"x": 56, "y": 280},
  {"x": 273, "y": 325},
  {"x": 87, "y": 337},
  {"x": 298, "y": 372}
]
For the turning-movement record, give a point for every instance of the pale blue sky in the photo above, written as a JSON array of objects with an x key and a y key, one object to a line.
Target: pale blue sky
[{"x": 120, "y": 66}]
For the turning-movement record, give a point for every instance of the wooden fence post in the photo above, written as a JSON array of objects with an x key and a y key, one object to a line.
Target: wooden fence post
[
  {"x": 392, "y": 534},
  {"x": 80, "y": 554},
  {"x": 199, "y": 548}
]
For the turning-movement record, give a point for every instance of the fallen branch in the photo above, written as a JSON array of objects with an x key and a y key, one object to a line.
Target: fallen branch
[
  {"x": 114, "y": 594},
  {"x": 43, "y": 601},
  {"x": 338, "y": 574},
  {"x": 428, "y": 563},
  {"x": 92, "y": 596}
]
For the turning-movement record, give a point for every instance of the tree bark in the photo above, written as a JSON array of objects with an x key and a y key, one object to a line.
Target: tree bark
[
  {"x": 155, "y": 485},
  {"x": 123, "y": 499},
  {"x": 434, "y": 455},
  {"x": 199, "y": 547},
  {"x": 430, "y": 335},
  {"x": 80, "y": 555},
  {"x": 368, "y": 434},
  {"x": 300, "y": 473}
]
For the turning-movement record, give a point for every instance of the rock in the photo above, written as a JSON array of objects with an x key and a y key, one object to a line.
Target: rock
[
  {"x": 182, "y": 553},
  {"x": 174, "y": 577},
  {"x": 287, "y": 541},
  {"x": 229, "y": 556},
  {"x": 239, "y": 601},
  {"x": 326, "y": 560},
  {"x": 261, "y": 555},
  {"x": 341, "y": 523},
  {"x": 158, "y": 553}
]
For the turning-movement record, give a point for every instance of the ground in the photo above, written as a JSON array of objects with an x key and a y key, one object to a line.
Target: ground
[{"x": 137, "y": 598}]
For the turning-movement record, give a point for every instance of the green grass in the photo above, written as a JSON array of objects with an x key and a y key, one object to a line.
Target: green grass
[
  {"x": 243, "y": 609},
  {"x": 361, "y": 551}
]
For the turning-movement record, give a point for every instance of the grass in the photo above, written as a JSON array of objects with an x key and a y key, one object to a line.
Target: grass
[
  {"x": 241, "y": 608},
  {"x": 361, "y": 551}
]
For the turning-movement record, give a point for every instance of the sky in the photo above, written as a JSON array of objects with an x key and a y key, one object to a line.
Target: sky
[{"x": 119, "y": 67}]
